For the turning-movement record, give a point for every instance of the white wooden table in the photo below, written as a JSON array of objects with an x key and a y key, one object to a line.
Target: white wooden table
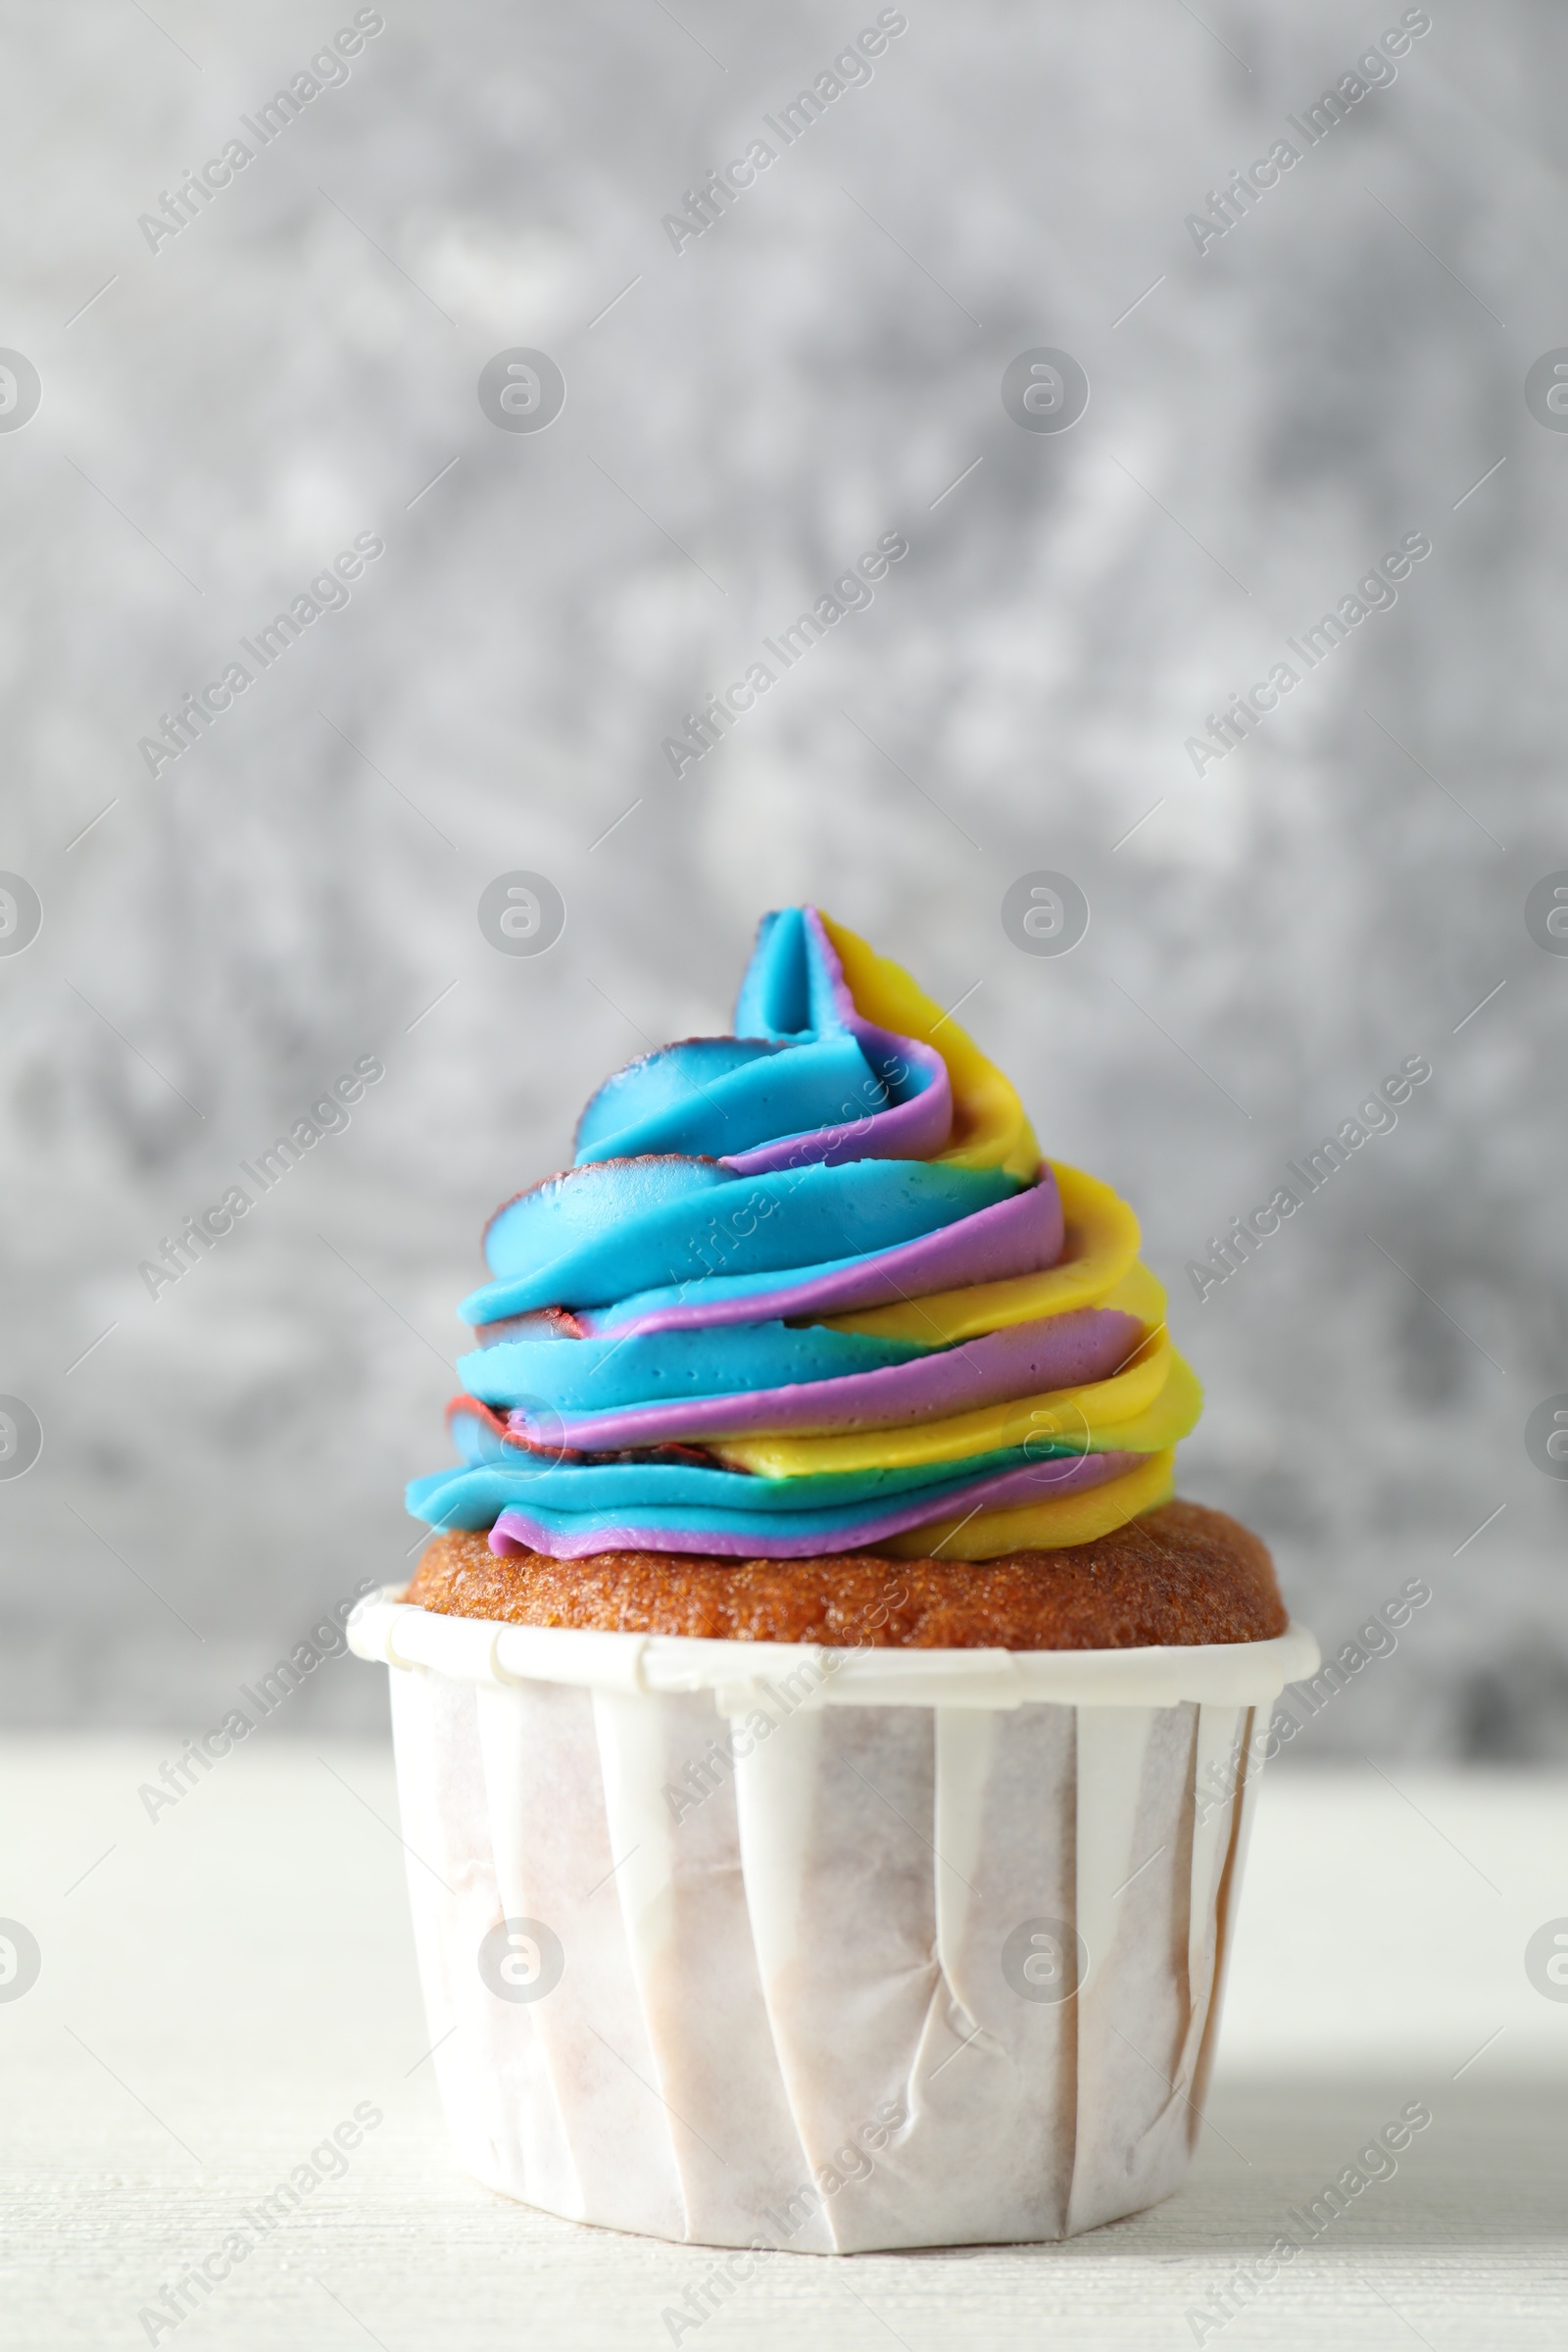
[{"x": 227, "y": 1983}]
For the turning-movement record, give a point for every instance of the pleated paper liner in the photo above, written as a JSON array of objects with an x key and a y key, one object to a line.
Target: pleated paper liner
[{"x": 757, "y": 1944}]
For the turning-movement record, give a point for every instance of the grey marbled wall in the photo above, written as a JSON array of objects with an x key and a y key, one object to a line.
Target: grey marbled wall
[{"x": 298, "y": 365}]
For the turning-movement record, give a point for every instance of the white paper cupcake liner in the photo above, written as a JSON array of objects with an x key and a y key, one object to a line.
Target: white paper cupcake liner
[{"x": 757, "y": 1944}]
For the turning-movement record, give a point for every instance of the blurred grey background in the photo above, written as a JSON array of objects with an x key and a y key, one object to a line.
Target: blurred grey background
[{"x": 221, "y": 416}]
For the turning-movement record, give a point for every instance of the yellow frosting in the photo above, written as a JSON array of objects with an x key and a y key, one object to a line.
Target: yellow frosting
[
  {"x": 1142, "y": 1409},
  {"x": 1050, "y": 1525},
  {"x": 989, "y": 1126},
  {"x": 1099, "y": 1251}
]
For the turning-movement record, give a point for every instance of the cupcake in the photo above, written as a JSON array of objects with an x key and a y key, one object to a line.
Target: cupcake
[{"x": 824, "y": 1745}]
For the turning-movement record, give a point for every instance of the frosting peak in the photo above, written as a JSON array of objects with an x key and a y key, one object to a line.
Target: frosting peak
[{"x": 810, "y": 1288}]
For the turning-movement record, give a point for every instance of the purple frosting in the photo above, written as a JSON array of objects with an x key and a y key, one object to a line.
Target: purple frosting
[
  {"x": 1021, "y": 1236},
  {"x": 915, "y": 1130},
  {"x": 519, "y": 1531},
  {"x": 1025, "y": 1359}
]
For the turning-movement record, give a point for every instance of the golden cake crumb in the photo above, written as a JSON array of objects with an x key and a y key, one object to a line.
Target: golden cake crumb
[{"x": 1180, "y": 1573}]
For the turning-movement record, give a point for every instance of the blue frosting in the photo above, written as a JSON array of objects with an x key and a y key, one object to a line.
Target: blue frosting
[
  {"x": 475, "y": 1495},
  {"x": 721, "y": 1095},
  {"x": 597, "y": 1233},
  {"x": 661, "y": 1367},
  {"x": 715, "y": 1290}
]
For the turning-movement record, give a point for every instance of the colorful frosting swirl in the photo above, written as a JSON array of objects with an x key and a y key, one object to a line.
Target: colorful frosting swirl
[{"x": 813, "y": 1289}]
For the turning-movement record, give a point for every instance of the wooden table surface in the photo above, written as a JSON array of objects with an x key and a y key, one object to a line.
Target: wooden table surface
[{"x": 221, "y": 1986}]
